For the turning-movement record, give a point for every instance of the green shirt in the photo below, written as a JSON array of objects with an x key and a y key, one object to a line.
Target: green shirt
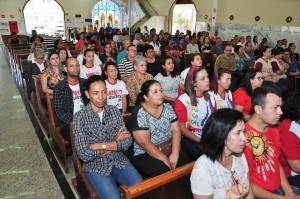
[{"x": 225, "y": 62}]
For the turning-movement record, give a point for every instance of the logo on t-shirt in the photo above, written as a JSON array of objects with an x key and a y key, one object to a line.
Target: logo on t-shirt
[
  {"x": 91, "y": 74},
  {"x": 263, "y": 152}
]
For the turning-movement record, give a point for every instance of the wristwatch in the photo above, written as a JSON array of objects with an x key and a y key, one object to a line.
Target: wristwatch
[{"x": 103, "y": 146}]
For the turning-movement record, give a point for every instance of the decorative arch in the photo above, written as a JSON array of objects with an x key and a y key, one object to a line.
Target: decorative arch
[
  {"x": 47, "y": 17},
  {"x": 190, "y": 11},
  {"x": 109, "y": 11}
]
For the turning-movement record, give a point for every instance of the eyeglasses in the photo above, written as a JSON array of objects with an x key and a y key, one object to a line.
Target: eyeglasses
[
  {"x": 259, "y": 78},
  {"x": 236, "y": 183},
  {"x": 132, "y": 50},
  {"x": 39, "y": 57}
]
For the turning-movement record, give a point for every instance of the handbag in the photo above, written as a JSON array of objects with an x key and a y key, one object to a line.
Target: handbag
[{"x": 165, "y": 147}]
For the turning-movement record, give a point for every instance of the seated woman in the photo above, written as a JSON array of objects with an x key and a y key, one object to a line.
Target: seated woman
[
  {"x": 13, "y": 39},
  {"x": 172, "y": 51},
  {"x": 80, "y": 42},
  {"x": 116, "y": 88},
  {"x": 242, "y": 96},
  {"x": 206, "y": 47},
  {"x": 194, "y": 61},
  {"x": 169, "y": 80},
  {"x": 51, "y": 75},
  {"x": 58, "y": 44},
  {"x": 193, "y": 109},
  {"x": 181, "y": 48},
  {"x": 220, "y": 95},
  {"x": 153, "y": 62},
  {"x": 114, "y": 49},
  {"x": 89, "y": 45},
  {"x": 156, "y": 45},
  {"x": 100, "y": 140},
  {"x": 291, "y": 61},
  {"x": 107, "y": 54},
  {"x": 136, "y": 79},
  {"x": 279, "y": 67},
  {"x": 88, "y": 69},
  {"x": 290, "y": 138},
  {"x": 63, "y": 55},
  {"x": 152, "y": 123},
  {"x": 222, "y": 163},
  {"x": 240, "y": 56},
  {"x": 36, "y": 44},
  {"x": 270, "y": 77}
]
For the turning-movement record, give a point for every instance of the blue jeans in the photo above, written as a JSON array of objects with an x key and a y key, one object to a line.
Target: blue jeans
[{"x": 106, "y": 186}]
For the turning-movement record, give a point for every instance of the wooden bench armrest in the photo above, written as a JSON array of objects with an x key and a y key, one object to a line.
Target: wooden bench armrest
[{"x": 155, "y": 182}]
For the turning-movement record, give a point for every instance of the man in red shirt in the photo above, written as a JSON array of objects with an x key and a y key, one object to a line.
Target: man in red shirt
[{"x": 262, "y": 152}]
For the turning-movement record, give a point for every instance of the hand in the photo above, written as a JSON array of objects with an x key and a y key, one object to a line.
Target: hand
[
  {"x": 167, "y": 162},
  {"x": 173, "y": 158},
  {"x": 33, "y": 76},
  {"x": 275, "y": 80},
  {"x": 122, "y": 134}
]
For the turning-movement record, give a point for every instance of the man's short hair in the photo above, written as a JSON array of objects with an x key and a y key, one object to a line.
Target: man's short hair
[
  {"x": 148, "y": 47},
  {"x": 260, "y": 94},
  {"x": 38, "y": 51},
  {"x": 248, "y": 37},
  {"x": 248, "y": 42},
  {"x": 130, "y": 46},
  {"x": 92, "y": 42}
]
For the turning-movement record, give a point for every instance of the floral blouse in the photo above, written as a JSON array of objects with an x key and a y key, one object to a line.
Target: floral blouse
[
  {"x": 240, "y": 64},
  {"x": 53, "y": 78},
  {"x": 134, "y": 84}
]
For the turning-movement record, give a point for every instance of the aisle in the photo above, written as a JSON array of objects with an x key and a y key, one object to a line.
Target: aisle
[{"x": 24, "y": 169}]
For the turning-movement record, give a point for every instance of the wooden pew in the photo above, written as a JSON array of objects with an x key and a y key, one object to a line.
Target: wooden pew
[
  {"x": 42, "y": 111},
  {"x": 81, "y": 182},
  {"x": 59, "y": 144},
  {"x": 295, "y": 83},
  {"x": 174, "y": 184}
]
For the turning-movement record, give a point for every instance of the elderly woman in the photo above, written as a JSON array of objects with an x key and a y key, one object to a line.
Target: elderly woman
[
  {"x": 136, "y": 79},
  {"x": 32, "y": 70},
  {"x": 169, "y": 79},
  {"x": 153, "y": 123},
  {"x": 193, "y": 109},
  {"x": 222, "y": 163},
  {"x": 220, "y": 95},
  {"x": 100, "y": 140},
  {"x": 242, "y": 96}
]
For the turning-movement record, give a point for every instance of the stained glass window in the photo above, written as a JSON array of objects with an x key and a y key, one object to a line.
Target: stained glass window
[{"x": 105, "y": 12}]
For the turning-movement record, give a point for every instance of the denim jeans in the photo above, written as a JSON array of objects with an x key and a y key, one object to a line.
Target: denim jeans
[
  {"x": 280, "y": 191},
  {"x": 106, "y": 186}
]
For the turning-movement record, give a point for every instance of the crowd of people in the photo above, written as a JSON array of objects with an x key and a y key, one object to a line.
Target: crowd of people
[{"x": 227, "y": 122}]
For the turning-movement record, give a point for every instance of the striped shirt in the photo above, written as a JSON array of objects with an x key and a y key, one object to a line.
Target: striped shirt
[{"x": 125, "y": 67}]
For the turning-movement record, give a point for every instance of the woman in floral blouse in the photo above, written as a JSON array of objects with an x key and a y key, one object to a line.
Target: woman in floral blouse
[
  {"x": 136, "y": 79},
  {"x": 53, "y": 74}
]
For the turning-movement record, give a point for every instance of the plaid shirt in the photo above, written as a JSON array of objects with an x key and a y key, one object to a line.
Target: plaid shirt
[
  {"x": 89, "y": 129},
  {"x": 63, "y": 101}
]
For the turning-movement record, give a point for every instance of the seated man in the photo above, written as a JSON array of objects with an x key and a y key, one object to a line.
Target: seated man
[
  {"x": 126, "y": 66},
  {"x": 192, "y": 47},
  {"x": 33, "y": 69},
  {"x": 122, "y": 54},
  {"x": 217, "y": 49},
  {"x": 69, "y": 96},
  {"x": 34, "y": 35},
  {"x": 289, "y": 130},
  {"x": 262, "y": 150}
]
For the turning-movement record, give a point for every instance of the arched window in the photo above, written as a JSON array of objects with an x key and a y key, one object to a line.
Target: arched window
[
  {"x": 182, "y": 16},
  {"x": 104, "y": 12},
  {"x": 46, "y": 17}
]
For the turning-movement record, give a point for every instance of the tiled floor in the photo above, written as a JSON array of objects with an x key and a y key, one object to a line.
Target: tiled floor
[{"x": 24, "y": 168}]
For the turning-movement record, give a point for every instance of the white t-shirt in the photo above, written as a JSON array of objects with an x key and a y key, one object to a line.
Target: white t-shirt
[
  {"x": 155, "y": 46},
  {"x": 78, "y": 104},
  {"x": 218, "y": 102},
  {"x": 101, "y": 115},
  {"x": 136, "y": 41},
  {"x": 184, "y": 74},
  {"x": 211, "y": 178},
  {"x": 97, "y": 61},
  {"x": 115, "y": 91},
  {"x": 86, "y": 72},
  {"x": 190, "y": 48}
]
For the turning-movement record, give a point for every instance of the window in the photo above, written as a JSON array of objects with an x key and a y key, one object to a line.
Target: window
[
  {"x": 106, "y": 12},
  {"x": 183, "y": 18},
  {"x": 46, "y": 17}
]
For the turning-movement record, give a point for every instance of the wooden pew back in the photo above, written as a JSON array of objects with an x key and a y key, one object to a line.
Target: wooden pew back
[
  {"x": 82, "y": 184},
  {"x": 59, "y": 144}
]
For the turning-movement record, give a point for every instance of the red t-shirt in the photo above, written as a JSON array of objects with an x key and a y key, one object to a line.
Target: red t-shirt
[
  {"x": 290, "y": 143},
  {"x": 172, "y": 50},
  {"x": 262, "y": 153},
  {"x": 241, "y": 98}
]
